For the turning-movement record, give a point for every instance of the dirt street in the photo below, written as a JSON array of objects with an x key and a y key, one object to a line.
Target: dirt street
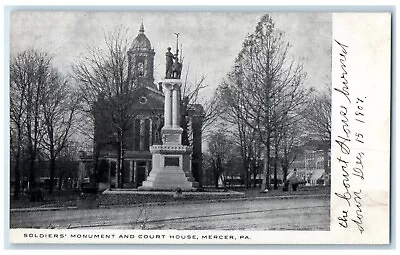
[{"x": 304, "y": 213}]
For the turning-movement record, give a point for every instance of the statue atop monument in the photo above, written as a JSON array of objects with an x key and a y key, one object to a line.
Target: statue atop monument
[
  {"x": 171, "y": 160},
  {"x": 176, "y": 69},
  {"x": 169, "y": 58},
  {"x": 172, "y": 63}
]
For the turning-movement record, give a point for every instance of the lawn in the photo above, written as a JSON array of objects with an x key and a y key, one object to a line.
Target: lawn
[{"x": 68, "y": 198}]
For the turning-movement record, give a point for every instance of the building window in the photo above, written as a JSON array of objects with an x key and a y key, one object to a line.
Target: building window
[
  {"x": 141, "y": 69},
  {"x": 147, "y": 135},
  {"x": 137, "y": 135}
]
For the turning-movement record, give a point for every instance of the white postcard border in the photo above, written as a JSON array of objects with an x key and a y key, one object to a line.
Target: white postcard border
[{"x": 368, "y": 37}]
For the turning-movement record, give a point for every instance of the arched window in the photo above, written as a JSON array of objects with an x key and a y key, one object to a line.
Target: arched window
[{"x": 141, "y": 69}]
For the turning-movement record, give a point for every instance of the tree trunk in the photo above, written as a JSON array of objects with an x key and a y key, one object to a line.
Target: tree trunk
[
  {"x": 17, "y": 189},
  {"x": 326, "y": 167},
  {"x": 94, "y": 177},
  {"x": 244, "y": 162},
  {"x": 285, "y": 169},
  {"x": 268, "y": 174},
  {"x": 265, "y": 174},
  {"x": 265, "y": 182},
  {"x": 31, "y": 150},
  {"x": 121, "y": 177},
  {"x": 118, "y": 172},
  {"x": 326, "y": 158},
  {"x": 32, "y": 182},
  {"x": 255, "y": 179},
  {"x": 254, "y": 176},
  {"x": 52, "y": 172},
  {"x": 60, "y": 180},
  {"x": 216, "y": 179},
  {"x": 246, "y": 174},
  {"x": 276, "y": 166}
]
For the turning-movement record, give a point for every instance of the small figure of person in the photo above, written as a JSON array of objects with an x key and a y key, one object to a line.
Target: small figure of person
[
  {"x": 285, "y": 185},
  {"x": 178, "y": 193},
  {"x": 295, "y": 182}
]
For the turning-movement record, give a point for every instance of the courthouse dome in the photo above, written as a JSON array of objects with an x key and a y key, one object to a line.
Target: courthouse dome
[{"x": 141, "y": 41}]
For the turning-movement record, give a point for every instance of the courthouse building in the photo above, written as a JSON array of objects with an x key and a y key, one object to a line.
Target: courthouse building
[{"x": 149, "y": 111}]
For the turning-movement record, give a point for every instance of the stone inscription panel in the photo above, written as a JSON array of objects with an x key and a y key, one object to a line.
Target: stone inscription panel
[
  {"x": 171, "y": 161},
  {"x": 171, "y": 138}
]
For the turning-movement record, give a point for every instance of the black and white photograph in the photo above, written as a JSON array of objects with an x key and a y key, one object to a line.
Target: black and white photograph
[
  {"x": 183, "y": 121},
  {"x": 170, "y": 120}
]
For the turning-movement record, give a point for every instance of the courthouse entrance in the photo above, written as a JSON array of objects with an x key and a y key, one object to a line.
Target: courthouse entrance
[{"x": 141, "y": 172}]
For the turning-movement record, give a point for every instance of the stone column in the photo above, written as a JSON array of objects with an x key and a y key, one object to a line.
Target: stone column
[
  {"x": 175, "y": 107},
  {"x": 167, "y": 107},
  {"x": 135, "y": 173}
]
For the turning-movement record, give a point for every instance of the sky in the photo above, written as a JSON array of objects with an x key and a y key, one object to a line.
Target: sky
[{"x": 211, "y": 41}]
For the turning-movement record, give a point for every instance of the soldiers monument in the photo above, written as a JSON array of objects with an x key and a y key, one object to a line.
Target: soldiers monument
[{"x": 171, "y": 161}]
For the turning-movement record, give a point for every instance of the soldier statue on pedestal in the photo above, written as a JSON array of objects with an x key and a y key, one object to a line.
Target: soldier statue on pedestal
[
  {"x": 176, "y": 69},
  {"x": 173, "y": 65},
  {"x": 169, "y": 59}
]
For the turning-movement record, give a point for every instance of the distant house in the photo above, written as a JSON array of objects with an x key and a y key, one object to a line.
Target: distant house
[{"x": 313, "y": 164}]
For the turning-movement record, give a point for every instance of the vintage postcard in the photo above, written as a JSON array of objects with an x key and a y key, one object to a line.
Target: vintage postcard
[{"x": 199, "y": 127}]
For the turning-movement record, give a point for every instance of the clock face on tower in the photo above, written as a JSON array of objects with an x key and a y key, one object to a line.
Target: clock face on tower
[{"x": 143, "y": 100}]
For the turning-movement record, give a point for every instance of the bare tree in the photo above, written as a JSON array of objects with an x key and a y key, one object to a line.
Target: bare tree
[
  {"x": 18, "y": 96},
  {"x": 29, "y": 73},
  {"x": 232, "y": 108},
  {"x": 108, "y": 90},
  {"x": 219, "y": 150},
  {"x": 291, "y": 138},
  {"x": 38, "y": 112},
  {"x": 191, "y": 94},
  {"x": 287, "y": 121},
  {"x": 318, "y": 115},
  {"x": 58, "y": 107},
  {"x": 67, "y": 167},
  {"x": 266, "y": 86}
]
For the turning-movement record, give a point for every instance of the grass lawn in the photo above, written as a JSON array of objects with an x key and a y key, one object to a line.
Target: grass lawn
[
  {"x": 63, "y": 198},
  {"x": 68, "y": 198}
]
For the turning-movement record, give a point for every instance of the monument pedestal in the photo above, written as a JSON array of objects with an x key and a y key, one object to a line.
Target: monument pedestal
[
  {"x": 172, "y": 163},
  {"x": 171, "y": 169}
]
